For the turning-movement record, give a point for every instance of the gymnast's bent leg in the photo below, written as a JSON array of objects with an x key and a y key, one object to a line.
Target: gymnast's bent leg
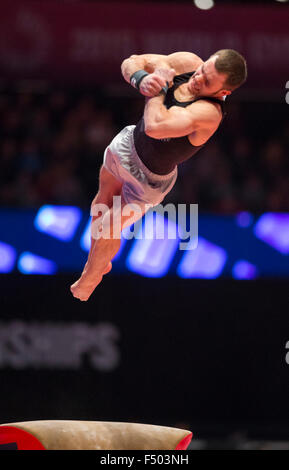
[{"x": 104, "y": 248}]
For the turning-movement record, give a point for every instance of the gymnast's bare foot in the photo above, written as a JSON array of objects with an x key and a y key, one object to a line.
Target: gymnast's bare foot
[{"x": 84, "y": 287}]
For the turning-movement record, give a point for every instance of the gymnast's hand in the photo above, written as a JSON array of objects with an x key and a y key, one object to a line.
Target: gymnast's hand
[{"x": 153, "y": 83}]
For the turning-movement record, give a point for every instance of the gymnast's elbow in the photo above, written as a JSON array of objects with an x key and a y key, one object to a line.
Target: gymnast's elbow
[
  {"x": 155, "y": 130},
  {"x": 150, "y": 130},
  {"x": 163, "y": 131},
  {"x": 175, "y": 125}
]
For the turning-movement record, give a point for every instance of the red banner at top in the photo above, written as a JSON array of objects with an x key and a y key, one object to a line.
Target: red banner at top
[{"x": 86, "y": 42}]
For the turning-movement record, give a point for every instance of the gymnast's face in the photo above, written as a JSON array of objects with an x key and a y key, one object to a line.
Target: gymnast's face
[{"x": 207, "y": 81}]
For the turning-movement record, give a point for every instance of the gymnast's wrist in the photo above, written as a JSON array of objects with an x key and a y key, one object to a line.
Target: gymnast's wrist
[
  {"x": 164, "y": 90},
  {"x": 137, "y": 77}
]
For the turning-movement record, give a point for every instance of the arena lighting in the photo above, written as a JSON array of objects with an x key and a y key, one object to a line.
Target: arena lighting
[
  {"x": 58, "y": 221},
  {"x": 242, "y": 269},
  {"x": 273, "y": 229},
  {"x": 7, "y": 257},
  {"x": 29, "y": 263},
  {"x": 207, "y": 261},
  {"x": 244, "y": 219},
  {"x": 244, "y": 246},
  {"x": 85, "y": 238},
  {"x": 152, "y": 257},
  {"x": 204, "y": 4}
]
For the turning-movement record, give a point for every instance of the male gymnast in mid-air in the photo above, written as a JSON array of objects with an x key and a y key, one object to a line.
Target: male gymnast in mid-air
[{"x": 184, "y": 106}]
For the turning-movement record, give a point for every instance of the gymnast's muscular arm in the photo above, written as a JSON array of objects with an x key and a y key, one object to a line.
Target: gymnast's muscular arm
[
  {"x": 200, "y": 117},
  {"x": 152, "y": 84}
]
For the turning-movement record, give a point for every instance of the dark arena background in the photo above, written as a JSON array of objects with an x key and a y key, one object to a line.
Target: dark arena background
[{"x": 195, "y": 339}]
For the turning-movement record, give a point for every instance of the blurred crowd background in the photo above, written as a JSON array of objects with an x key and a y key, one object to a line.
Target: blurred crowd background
[{"x": 52, "y": 144}]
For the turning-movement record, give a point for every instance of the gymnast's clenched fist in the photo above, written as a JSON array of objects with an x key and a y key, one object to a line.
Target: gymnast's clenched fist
[{"x": 153, "y": 83}]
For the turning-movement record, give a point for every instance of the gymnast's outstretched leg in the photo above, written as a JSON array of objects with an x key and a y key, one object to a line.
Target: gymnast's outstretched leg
[
  {"x": 103, "y": 248},
  {"x": 98, "y": 263}
]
